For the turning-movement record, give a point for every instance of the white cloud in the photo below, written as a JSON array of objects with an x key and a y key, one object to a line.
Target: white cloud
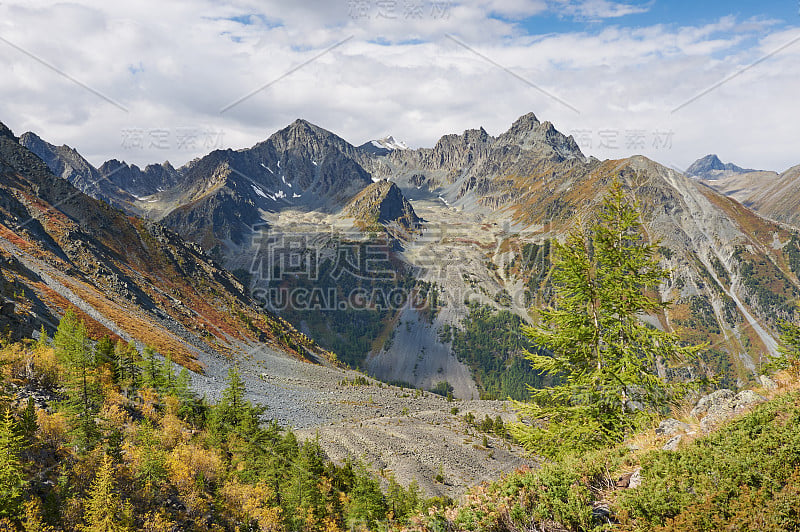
[{"x": 175, "y": 66}]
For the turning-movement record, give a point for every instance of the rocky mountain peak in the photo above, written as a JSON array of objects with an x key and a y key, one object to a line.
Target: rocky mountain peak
[
  {"x": 711, "y": 167},
  {"x": 711, "y": 162},
  {"x": 383, "y": 146},
  {"x": 390, "y": 143},
  {"x": 382, "y": 203},
  {"x": 543, "y": 138},
  {"x": 66, "y": 162},
  {"x": 7, "y": 133},
  {"x": 307, "y": 138},
  {"x": 524, "y": 123},
  {"x": 471, "y": 138},
  {"x": 45, "y": 150},
  {"x": 476, "y": 136},
  {"x": 129, "y": 177},
  {"x": 29, "y": 137},
  {"x": 302, "y": 124}
]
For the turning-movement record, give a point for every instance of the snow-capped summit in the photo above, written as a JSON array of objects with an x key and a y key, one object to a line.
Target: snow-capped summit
[
  {"x": 384, "y": 145},
  {"x": 390, "y": 143}
]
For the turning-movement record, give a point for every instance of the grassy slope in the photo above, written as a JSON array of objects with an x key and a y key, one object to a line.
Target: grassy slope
[{"x": 743, "y": 476}]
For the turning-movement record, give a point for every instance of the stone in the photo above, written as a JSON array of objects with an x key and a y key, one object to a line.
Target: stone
[
  {"x": 712, "y": 401},
  {"x": 601, "y": 510},
  {"x": 630, "y": 480},
  {"x": 722, "y": 405},
  {"x": 636, "y": 479},
  {"x": 767, "y": 383},
  {"x": 671, "y": 426},
  {"x": 672, "y": 444},
  {"x": 745, "y": 400},
  {"x": 624, "y": 481}
]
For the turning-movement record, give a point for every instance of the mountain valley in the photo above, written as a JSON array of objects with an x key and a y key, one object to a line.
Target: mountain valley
[{"x": 403, "y": 263}]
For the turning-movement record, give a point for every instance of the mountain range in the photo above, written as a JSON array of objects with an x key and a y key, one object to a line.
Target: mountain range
[
  {"x": 126, "y": 277},
  {"x": 466, "y": 222}
]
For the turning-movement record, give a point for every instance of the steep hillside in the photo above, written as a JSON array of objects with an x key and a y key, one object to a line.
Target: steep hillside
[
  {"x": 779, "y": 200},
  {"x": 126, "y": 277},
  {"x": 732, "y": 271},
  {"x": 732, "y": 464},
  {"x": 774, "y": 196}
]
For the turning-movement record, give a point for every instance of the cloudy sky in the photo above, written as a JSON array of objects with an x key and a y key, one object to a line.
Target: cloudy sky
[{"x": 149, "y": 80}]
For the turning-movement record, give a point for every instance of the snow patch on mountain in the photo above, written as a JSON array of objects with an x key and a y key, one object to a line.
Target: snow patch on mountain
[{"x": 390, "y": 143}]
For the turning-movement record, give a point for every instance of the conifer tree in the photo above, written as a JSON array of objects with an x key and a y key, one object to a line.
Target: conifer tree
[
  {"x": 11, "y": 474},
  {"x": 32, "y": 519},
  {"x": 168, "y": 374},
  {"x": 104, "y": 351},
  {"x": 83, "y": 396},
  {"x": 304, "y": 493},
  {"x": 28, "y": 424},
  {"x": 43, "y": 339},
  {"x": 594, "y": 343},
  {"x": 367, "y": 503},
  {"x": 150, "y": 369},
  {"x": 234, "y": 413},
  {"x": 127, "y": 371},
  {"x": 105, "y": 511},
  {"x": 789, "y": 349}
]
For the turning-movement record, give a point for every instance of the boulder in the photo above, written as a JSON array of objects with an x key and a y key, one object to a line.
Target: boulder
[
  {"x": 671, "y": 426},
  {"x": 767, "y": 383},
  {"x": 723, "y": 405},
  {"x": 636, "y": 479},
  {"x": 630, "y": 480},
  {"x": 672, "y": 444},
  {"x": 711, "y": 402},
  {"x": 745, "y": 400}
]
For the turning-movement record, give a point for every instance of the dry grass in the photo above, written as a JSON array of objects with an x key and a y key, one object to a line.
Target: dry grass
[{"x": 139, "y": 328}]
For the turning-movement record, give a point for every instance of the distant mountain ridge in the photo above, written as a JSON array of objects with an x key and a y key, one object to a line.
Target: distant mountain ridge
[
  {"x": 469, "y": 169},
  {"x": 774, "y": 196},
  {"x": 711, "y": 167}
]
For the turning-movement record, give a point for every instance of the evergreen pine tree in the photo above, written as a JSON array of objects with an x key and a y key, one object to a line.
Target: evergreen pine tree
[
  {"x": 367, "y": 503},
  {"x": 168, "y": 374},
  {"x": 234, "y": 413},
  {"x": 104, "y": 351},
  {"x": 603, "y": 356},
  {"x": 11, "y": 474},
  {"x": 304, "y": 497},
  {"x": 43, "y": 339}
]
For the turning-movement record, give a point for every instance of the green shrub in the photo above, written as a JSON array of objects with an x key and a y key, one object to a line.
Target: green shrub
[{"x": 756, "y": 457}]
